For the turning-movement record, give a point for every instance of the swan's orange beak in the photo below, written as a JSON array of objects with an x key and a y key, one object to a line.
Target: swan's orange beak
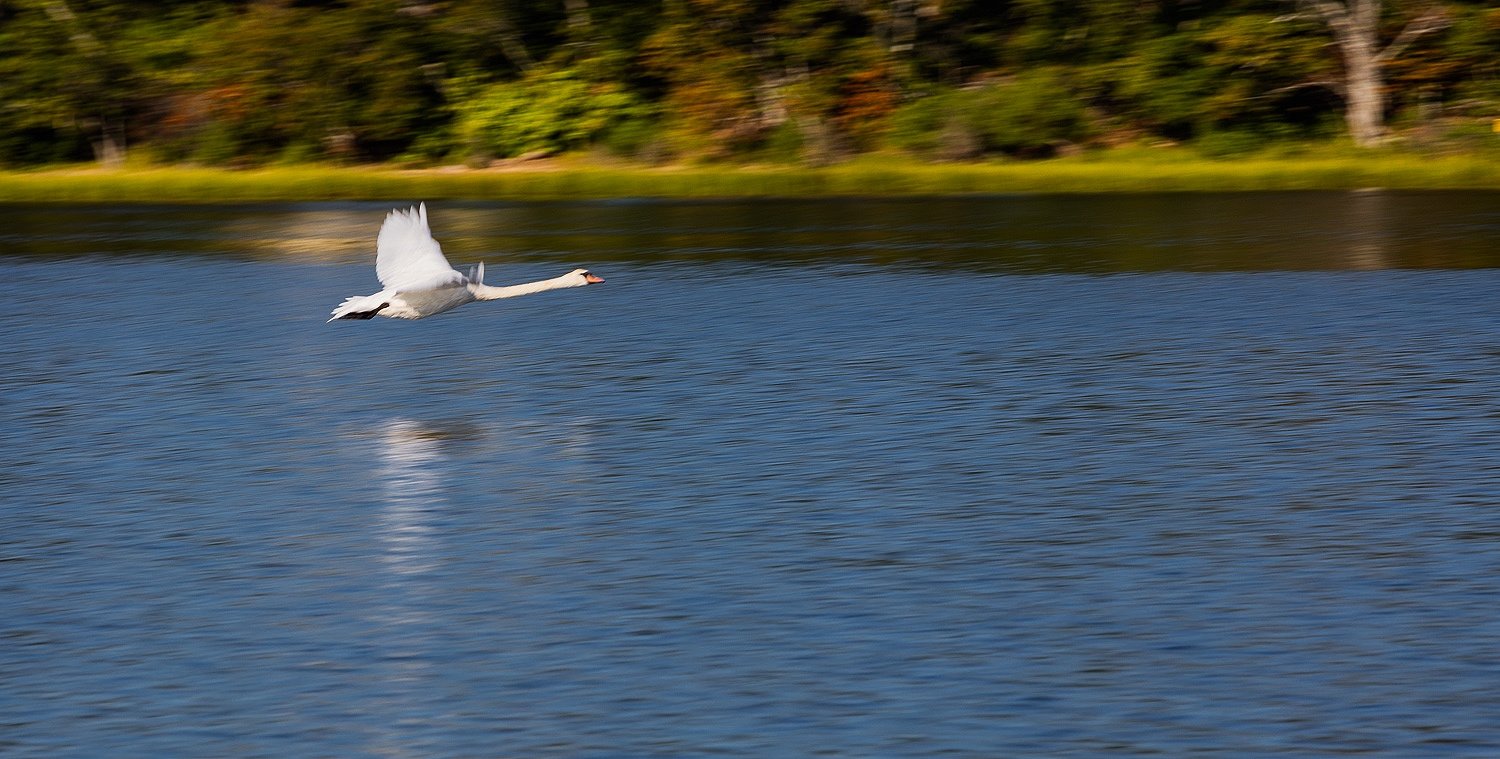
[{"x": 593, "y": 280}]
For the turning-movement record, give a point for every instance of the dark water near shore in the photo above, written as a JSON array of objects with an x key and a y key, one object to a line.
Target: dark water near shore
[{"x": 1114, "y": 476}]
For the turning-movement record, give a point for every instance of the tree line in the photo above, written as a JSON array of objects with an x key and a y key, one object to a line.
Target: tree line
[{"x": 423, "y": 82}]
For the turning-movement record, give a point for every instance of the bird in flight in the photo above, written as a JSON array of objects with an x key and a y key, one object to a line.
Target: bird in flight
[{"x": 419, "y": 282}]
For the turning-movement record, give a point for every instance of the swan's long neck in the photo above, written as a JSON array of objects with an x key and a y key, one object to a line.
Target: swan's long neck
[{"x": 486, "y": 292}]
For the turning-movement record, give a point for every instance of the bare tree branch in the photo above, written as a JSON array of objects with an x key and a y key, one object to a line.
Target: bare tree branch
[
  {"x": 1336, "y": 15},
  {"x": 1432, "y": 22},
  {"x": 1336, "y": 88}
]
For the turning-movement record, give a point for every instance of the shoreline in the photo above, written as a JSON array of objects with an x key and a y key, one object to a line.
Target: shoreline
[{"x": 560, "y": 180}]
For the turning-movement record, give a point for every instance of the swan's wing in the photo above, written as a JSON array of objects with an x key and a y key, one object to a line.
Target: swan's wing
[{"x": 406, "y": 256}]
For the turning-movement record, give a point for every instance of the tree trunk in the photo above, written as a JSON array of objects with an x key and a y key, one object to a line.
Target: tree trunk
[
  {"x": 1356, "y": 29},
  {"x": 109, "y": 146},
  {"x": 1364, "y": 88}
]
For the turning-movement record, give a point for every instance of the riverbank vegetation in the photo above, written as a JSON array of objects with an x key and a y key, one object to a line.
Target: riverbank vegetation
[
  {"x": 818, "y": 94},
  {"x": 1119, "y": 171}
]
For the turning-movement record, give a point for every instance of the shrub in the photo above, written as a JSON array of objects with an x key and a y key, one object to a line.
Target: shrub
[
  {"x": 1029, "y": 115},
  {"x": 549, "y": 112},
  {"x": 916, "y": 127}
]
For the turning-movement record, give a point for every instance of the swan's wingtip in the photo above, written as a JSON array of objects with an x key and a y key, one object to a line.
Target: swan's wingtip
[{"x": 415, "y": 213}]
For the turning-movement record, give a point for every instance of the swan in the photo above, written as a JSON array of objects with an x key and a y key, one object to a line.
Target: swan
[{"x": 419, "y": 282}]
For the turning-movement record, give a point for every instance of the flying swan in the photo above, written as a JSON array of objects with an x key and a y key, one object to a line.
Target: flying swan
[{"x": 419, "y": 282}]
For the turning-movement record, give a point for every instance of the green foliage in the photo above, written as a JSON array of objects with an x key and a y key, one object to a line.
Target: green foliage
[
  {"x": 229, "y": 82},
  {"x": 1245, "y": 78},
  {"x": 1031, "y": 115},
  {"x": 917, "y": 127},
  {"x": 68, "y": 80},
  {"x": 354, "y": 86},
  {"x": 549, "y": 112},
  {"x": 1162, "y": 85}
]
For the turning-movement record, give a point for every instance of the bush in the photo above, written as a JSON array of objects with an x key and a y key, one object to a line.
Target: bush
[
  {"x": 916, "y": 127},
  {"x": 1030, "y": 115},
  {"x": 1229, "y": 143},
  {"x": 548, "y": 113}
]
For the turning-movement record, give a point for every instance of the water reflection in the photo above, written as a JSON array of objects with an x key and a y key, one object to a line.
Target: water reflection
[
  {"x": 1367, "y": 227},
  {"x": 409, "y": 460},
  {"x": 326, "y": 234},
  {"x": 1012, "y": 234},
  {"x": 412, "y": 492}
]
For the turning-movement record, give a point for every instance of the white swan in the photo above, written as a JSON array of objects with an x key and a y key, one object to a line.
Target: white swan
[{"x": 419, "y": 282}]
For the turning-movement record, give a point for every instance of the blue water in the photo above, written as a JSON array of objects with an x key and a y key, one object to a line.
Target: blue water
[{"x": 941, "y": 495}]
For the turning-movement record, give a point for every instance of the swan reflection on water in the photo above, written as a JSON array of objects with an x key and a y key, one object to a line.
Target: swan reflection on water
[
  {"x": 536, "y": 463},
  {"x": 410, "y": 491},
  {"x": 408, "y": 460}
]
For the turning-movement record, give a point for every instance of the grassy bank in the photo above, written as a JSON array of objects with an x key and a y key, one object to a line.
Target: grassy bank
[{"x": 863, "y": 178}]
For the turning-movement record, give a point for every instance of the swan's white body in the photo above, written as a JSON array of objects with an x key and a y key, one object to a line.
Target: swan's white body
[{"x": 419, "y": 282}]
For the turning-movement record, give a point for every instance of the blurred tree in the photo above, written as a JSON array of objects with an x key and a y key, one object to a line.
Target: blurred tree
[
  {"x": 1356, "y": 29},
  {"x": 356, "y": 83},
  {"x": 723, "y": 85},
  {"x": 66, "y": 80},
  {"x": 1272, "y": 78},
  {"x": 1458, "y": 73},
  {"x": 826, "y": 73}
]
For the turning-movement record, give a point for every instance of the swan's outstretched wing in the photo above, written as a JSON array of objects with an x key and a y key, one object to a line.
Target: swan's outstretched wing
[{"x": 406, "y": 256}]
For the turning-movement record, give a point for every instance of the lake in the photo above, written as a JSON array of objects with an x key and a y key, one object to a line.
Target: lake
[{"x": 981, "y": 477}]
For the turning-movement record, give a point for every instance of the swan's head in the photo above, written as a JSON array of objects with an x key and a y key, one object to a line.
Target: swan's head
[{"x": 584, "y": 277}]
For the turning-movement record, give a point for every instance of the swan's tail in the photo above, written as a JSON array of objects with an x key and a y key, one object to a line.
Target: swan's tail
[{"x": 361, "y": 306}]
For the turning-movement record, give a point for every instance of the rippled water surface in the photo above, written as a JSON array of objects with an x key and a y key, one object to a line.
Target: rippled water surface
[{"x": 1173, "y": 475}]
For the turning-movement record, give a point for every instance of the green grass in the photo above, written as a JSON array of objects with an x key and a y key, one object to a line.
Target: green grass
[{"x": 877, "y": 176}]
